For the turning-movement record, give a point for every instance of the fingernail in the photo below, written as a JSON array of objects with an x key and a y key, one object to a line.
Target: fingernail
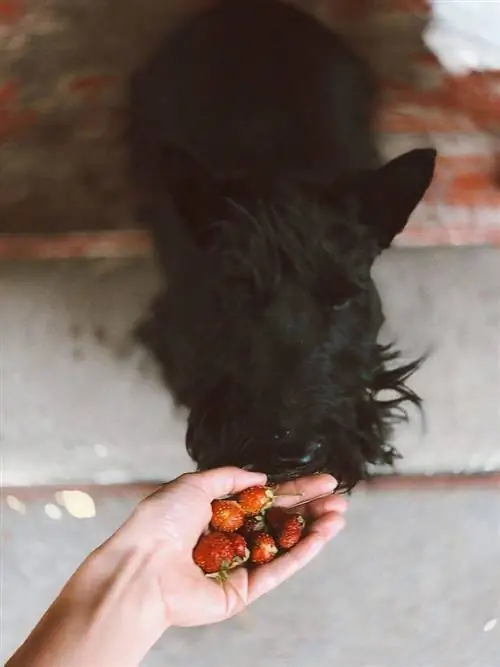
[
  {"x": 344, "y": 508},
  {"x": 333, "y": 484},
  {"x": 337, "y": 526},
  {"x": 315, "y": 548}
]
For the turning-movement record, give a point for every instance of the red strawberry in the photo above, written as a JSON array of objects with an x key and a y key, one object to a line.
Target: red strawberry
[
  {"x": 227, "y": 516},
  {"x": 263, "y": 549},
  {"x": 255, "y": 500},
  {"x": 214, "y": 553},
  {"x": 275, "y": 517},
  {"x": 252, "y": 525},
  {"x": 290, "y": 531},
  {"x": 240, "y": 546}
]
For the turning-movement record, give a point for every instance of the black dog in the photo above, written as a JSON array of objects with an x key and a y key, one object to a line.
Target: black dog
[{"x": 258, "y": 174}]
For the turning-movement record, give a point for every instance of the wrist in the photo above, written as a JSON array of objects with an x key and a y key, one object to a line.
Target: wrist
[
  {"x": 120, "y": 585},
  {"x": 109, "y": 614}
]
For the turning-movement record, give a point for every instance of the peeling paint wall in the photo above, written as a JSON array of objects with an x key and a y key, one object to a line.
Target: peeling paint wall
[
  {"x": 63, "y": 71},
  {"x": 465, "y": 36}
]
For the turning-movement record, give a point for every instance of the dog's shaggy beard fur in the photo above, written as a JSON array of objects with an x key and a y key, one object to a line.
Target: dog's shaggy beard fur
[
  {"x": 259, "y": 178},
  {"x": 277, "y": 354}
]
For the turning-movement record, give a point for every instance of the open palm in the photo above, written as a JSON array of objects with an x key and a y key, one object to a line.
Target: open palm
[{"x": 176, "y": 515}]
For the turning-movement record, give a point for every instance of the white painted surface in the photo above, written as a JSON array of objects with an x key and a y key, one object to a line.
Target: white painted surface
[{"x": 465, "y": 35}]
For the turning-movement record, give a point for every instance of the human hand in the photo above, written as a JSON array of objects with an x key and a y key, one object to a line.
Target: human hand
[
  {"x": 143, "y": 579},
  {"x": 171, "y": 521}
]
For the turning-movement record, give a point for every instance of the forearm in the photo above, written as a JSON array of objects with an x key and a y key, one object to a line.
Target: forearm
[{"x": 101, "y": 618}]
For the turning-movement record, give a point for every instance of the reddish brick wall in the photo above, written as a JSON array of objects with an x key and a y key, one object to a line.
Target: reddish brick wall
[{"x": 63, "y": 65}]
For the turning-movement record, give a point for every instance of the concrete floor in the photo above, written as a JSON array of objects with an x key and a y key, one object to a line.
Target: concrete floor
[
  {"x": 412, "y": 582},
  {"x": 81, "y": 403}
]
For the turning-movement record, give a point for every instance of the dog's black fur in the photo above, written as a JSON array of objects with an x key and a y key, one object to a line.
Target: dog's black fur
[{"x": 257, "y": 172}]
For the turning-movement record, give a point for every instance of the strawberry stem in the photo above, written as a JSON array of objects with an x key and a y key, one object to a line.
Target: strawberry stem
[{"x": 299, "y": 494}]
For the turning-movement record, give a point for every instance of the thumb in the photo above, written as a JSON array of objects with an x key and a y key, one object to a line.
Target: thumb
[
  {"x": 183, "y": 506},
  {"x": 222, "y": 482}
]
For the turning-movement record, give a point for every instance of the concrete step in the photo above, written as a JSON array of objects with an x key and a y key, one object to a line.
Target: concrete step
[
  {"x": 82, "y": 403},
  {"x": 431, "y": 599}
]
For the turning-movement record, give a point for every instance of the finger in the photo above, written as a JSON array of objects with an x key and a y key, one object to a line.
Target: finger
[
  {"x": 268, "y": 577},
  {"x": 304, "y": 489},
  {"x": 318, "y": 508},
  {"x": 224, "y": 481},
  {"x": 328, "y": 526},
  {"x": 206, "y": 485},
  {"x": 180, "y": 511}
]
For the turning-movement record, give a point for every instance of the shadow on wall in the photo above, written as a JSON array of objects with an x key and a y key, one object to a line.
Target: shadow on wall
[{"x": 63, "y": 70}]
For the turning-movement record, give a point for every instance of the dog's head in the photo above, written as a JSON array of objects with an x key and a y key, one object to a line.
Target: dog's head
[{"x": 268, "y": 333}]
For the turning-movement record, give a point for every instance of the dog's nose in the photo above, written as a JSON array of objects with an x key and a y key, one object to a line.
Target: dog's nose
[{"x": 300, "y": 456}]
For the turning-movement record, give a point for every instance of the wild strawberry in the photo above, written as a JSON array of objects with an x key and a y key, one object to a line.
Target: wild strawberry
[
  {"x": 275, "y": 517},
  {"x": 263, "y": 549},
  {"x": 255, "y": 500},
  {"x": 253, "y": 525},
  {"x": 240, "y": 546},
  {"x": 214, "y": 553},
  {"x": 227, "y": 516},
  {"x": 290, "y": 531}
]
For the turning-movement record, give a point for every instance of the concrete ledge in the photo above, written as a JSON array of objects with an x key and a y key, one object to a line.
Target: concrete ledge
[
  {"x": 75, "y": 245},
  {"x": 82, "y": 404},
  {"x": 438, "y": 482},
  {"x": 134, "y": 243}
]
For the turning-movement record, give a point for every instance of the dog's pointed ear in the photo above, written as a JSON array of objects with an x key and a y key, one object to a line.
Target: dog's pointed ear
[{"x": 385, "y": 198}]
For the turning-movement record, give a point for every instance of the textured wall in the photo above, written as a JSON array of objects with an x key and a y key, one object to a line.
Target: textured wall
[
  {"x": 63, "y": 65},
  {"x": 63, "y": 69}
]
